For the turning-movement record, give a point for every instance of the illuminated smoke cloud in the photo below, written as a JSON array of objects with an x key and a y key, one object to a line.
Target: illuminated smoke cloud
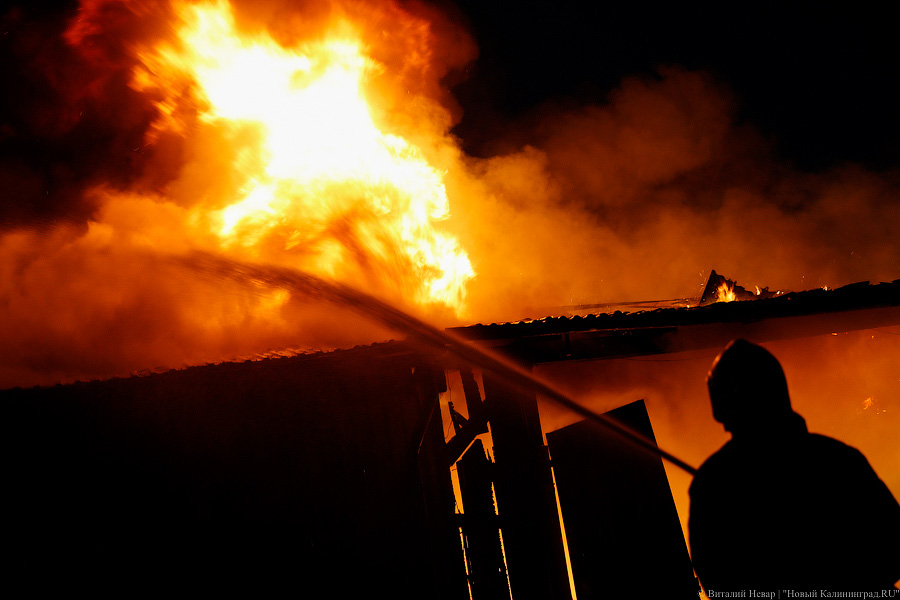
[
  {"x": 633, "y": 199},
  {"x": 639, "y": 198}
]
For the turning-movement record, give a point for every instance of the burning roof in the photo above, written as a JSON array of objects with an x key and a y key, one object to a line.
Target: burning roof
[{"x": 794, "y": 314}]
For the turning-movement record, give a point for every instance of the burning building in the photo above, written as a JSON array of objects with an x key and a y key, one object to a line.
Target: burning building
[
  {"x": 188, "y": 181},
  {"x": 334, "y": 465}
]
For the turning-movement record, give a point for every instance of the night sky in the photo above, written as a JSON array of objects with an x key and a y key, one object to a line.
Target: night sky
[{"x": 819, "y": 81}]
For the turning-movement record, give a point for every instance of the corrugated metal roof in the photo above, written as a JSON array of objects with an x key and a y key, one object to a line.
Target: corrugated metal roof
[
  {"x": 855, "y": 296},
  {"x": 617, "y": 334}
]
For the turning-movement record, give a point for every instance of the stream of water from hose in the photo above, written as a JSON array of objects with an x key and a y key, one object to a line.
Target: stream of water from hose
[{"x": 349, "y": 298}]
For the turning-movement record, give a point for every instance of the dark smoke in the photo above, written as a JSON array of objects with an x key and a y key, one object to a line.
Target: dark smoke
[{"x": 70, "y": 120}]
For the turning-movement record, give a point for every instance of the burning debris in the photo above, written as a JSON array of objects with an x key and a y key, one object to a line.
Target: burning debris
[
  {"x": 721, "y": 289},
  {"x": 679, "y": 329}
]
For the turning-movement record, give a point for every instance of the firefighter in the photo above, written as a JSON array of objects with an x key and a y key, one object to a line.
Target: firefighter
[{"x": 779, "y": 508}]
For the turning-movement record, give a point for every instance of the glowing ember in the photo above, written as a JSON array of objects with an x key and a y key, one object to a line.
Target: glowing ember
[{"x": 317, "y": 183}]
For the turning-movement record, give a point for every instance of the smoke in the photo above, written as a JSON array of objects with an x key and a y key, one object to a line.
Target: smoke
[
  {"x": 80, "y": 303},
  {"x": 65, "y": 123},
  {"x": 639, "y": 198},
  {"x": 634, "y": 199},
  {"x": 844, "y": 385}
]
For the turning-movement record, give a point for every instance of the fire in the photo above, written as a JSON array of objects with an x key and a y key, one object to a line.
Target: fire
[
  {"x": 317, "y": 183},
  {"x": 725, "y": 293}
]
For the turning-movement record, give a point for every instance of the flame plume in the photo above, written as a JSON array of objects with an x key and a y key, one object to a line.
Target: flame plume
[
  {"x": 310, "y": 136},
  {"x": 317, "y": 184}
]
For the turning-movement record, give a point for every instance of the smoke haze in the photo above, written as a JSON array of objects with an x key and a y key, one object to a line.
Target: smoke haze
[
  {"x": 844, "y": 385},
  {"x": 636, "y": 198}
]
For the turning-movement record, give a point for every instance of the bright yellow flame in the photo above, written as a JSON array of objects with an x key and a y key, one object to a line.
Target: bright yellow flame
[
  {"x": 320, "y": 178},
  {"x": 725, "y": 293}
]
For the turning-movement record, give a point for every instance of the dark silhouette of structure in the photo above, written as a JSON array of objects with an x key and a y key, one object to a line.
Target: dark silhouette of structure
[
  {"x": 324, "y": 475},
  {"x": 779, "y": 508},
  {"x": 330, "y": 471},
  {"x": 622, "y": 527}
]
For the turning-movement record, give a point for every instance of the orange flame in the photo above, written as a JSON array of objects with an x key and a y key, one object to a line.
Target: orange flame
[
  {"x": 317, "y": 184},
  {"x": 725, "y": 293}
]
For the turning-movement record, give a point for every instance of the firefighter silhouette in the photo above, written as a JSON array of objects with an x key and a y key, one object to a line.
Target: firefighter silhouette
[{"x": 779, "y": 508}]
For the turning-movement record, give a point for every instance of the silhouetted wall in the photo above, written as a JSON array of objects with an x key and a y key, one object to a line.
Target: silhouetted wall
[{"x": 321, "y": 474}]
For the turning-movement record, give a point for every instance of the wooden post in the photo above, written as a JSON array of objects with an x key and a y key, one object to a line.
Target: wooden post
[
  {"x": 487, "y": 572},
  {"x": 526, "y": 500}
]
